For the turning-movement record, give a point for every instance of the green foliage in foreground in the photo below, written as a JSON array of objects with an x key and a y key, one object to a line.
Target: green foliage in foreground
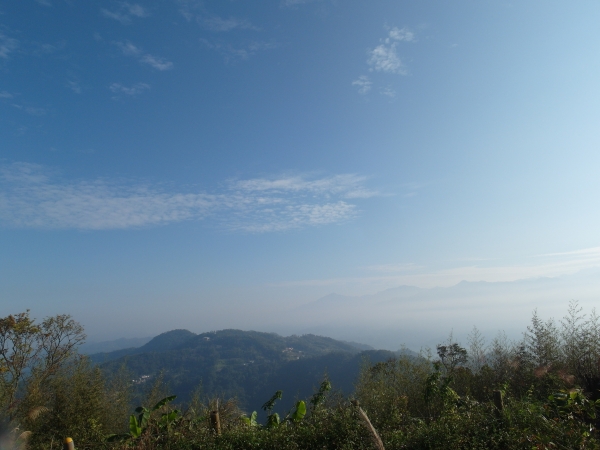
[
  {"x": 549, "y": 382},
  {"x": 522, "y": 425}
]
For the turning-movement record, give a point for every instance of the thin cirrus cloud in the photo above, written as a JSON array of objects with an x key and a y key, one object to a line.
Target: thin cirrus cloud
[
  {"x": 346, "y": 185},
  {"x": 195, "y": 10},
  {"x": 364, "y": 84},
  {"x": 7, "y": 45},
  {"x": 388, "y": 92},
  {"x": 233, "y": 53},
  {"x": 293, "y": 3},
  {"x": 31, "y": 110},
  {"x": 216, "y": 23},
  {"x": 129, "y": 49},
  {"x": 124, "y": 13},
  {"x": 136, "y": 89},
  {"x": 75, "y": 86},
  {"x": 33, "y": 197},
  {"x": 385, "y": 276}
]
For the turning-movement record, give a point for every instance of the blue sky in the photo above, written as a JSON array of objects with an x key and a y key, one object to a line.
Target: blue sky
[{"x": 181, "y": 163}]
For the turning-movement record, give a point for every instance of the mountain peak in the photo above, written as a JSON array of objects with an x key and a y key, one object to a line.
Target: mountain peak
[{"x": 167, "y": 341}]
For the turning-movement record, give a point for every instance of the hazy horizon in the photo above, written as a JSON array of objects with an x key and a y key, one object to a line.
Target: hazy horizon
[
  {"x": 208, "y": 165},
  {"x": 412, "y": 317}
]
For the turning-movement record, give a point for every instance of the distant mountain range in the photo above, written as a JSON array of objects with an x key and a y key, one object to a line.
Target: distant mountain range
[
  {"x": 417, "y": 317},
  {"x": 248, "y": 365}
]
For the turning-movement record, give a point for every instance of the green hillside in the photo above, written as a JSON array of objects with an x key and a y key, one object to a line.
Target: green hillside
[{"x": 248, "y": 365}]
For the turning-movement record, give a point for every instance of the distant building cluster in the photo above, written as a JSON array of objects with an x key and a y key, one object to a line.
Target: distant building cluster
[{"x": 141, "y": 379}]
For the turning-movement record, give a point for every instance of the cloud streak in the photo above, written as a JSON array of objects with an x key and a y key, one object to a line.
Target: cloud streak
[
  {"x": 294, "y": 3},
  {"x": 216, "y": 23},
  {"x": 347, "y": 185},
  {"x": 133, "y": 90},
  {"x": 125, "y": 12},
  {"x": 7, "y": 45},
  {"x": 391, "y": 275},
  {"x": 129, "y": 49},
  {"x": 32, "y": 197},
  {"x": 364, "y": 84},
  {"x": 74, "y": 86},
  {"x": 195, "y": 10},
  {"x": 31, "y": 110},
  {"x": 233, "y": 53}
]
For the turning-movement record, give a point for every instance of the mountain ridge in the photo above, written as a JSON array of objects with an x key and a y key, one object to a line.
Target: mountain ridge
[{"x": 247, "y": 365}]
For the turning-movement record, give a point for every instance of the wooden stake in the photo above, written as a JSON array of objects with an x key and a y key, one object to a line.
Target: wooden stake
[
  {"x": 498, "y": 402},
  {"x": 68, "y": 444},
  {"x": 215, "y": 422}
]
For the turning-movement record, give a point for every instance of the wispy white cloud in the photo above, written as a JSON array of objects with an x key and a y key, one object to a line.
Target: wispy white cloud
[
  {"x": 384, "y": 57},
  {"x": 232, "y": 53},
  {"x": 346, "y": 186},
  {"x": 137, "y": 10},
  {"x": 275, "y": 204},
  {"x": 31, "y": 110},
  {"x": 6, "y": 94},
  {"x": 156, "y": 62},
  {"x": 258, "y": 46},
  {"x": 129, "y": 49},
  {"x": 400, "y": 34},
  {"x": 32, "y": 197},
  {"x": 123, "y": 18},
  {"x": 216, "y": 23},
  {"x": 48, "y": 49},
  {"x": 388, "y": 92},
  {"x": 293, "y": 3},
  {"x": 550, "y": 267},
  {"x": 267, "y": 216},
  {"x": 125, "y": 11},
  {"x": 190, "y": 9},
  {"x": 592, "y": 252},
  {"x": 135, "y": 89},
  {"x": 74, "y": 85},
  {"x": 194, "y": 10},
  {"x": 391, "y": 275},
  {"x": 7, "y": 45},
  {"x": 363, "y": 83}
]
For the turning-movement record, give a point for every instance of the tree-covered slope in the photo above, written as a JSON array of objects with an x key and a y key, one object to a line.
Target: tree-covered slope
[{"x": 247, "y": 365}]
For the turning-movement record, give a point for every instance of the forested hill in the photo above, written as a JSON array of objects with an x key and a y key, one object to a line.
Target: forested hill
[{"x": 248, "y": 365}]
